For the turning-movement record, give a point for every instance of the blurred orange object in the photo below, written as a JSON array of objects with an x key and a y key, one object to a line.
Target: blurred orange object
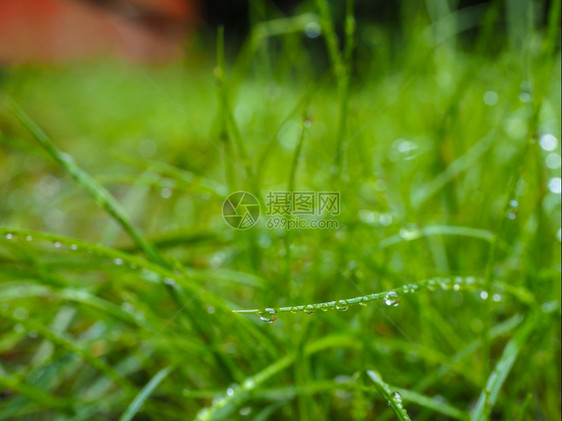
[{"x": 66, "y": 30}]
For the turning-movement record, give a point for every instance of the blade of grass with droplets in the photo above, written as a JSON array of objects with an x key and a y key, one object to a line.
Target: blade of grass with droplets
[
  {"x": 143, "y": 395},
  {"x": 391, "y": 296},
  {"x": 393, "y": 398},
  {"x": 491, "y": 391},
  {"x": 97, "y": 191},
  {"x": 433, "y": 404},
  {"x": 222, "y": 408},
  {"x": 20, "y": 290},
  {"x": 152, "y": 270}
]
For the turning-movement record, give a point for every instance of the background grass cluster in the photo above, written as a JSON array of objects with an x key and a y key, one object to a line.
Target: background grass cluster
[{"x": 438, "y": 135}]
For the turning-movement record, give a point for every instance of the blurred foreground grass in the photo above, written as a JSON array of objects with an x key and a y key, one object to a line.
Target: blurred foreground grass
[{"x": 449, "y": 168}]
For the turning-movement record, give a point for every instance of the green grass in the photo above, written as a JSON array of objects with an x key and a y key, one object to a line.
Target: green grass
[{"x": 125, "y": 295}]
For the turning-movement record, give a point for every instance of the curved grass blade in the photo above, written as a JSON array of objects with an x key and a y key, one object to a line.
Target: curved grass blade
[
  {"x": 137, "y": 403},
  {"x": 461, "y": 164},
  {"x": 96, "y": 190},
  {"x": 180, "y": 178},
  {"x": 151, "y": 271},
  {"x": 222, "y": 408},
  {"x": 489, "y": 395},
  {"x": 431, "y": 403},
  {"x": 12, "y": 290},
  {"x": 392, "y": 296},
  {"x": 498, "y": 330},
  {"x": 391, "y": 397}
]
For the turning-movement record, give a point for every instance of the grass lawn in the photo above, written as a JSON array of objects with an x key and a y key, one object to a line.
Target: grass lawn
[{"x": 423, "y": 282}]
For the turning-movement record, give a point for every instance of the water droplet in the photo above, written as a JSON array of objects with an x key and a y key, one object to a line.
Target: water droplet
[
  {"x": 57, "y": 244},
  {"x": 555, "y": 185},
  {"x": 391, "y": 299},
  {"x": 118, "y": 261},
  {"x": 445, "y": 284},
  {"x": 128, "y": 307},
  {"x": 524, "y": 97},
  {"x": 169, "y": 282},
  {"x": 548, "y": 142},
  {"x": 29, "y": 238},
  {"x": 73, "y": 247},
  {"x": 511, "y": 215},
  {"x": 211, "y": 310},
  {"x": 397, "y": 397},
  {"x": 245, "y": 411},
  {"x": 364, "y": 301},
  {"x": 166, "y": 193},
  {"x": 490, "y": 98},
  {"x": 469, "y": 280},
  {"x": 268, "y": 315},
  {"x": 32, "y": 334},
  {"x": 409, "y": 233},
  {"x": 20, "y": 313},
  {"x": 9, "y": 236},
  {"x": 249, "y": 383},
  {"x": 431, "y": 284},
  {"x": 553, "y": 161},
  {"x": 342, "y": 305},
  {"x": 406, "y": 149},
  {"x": 312, "y": 30},
  {"x": 294, "y": 310},
  {"x": 385, "y": 219},
  {"x": 484, "y": 295},
  {"x": 309, "y": 309},
  {"x": 496, "y": 298}
]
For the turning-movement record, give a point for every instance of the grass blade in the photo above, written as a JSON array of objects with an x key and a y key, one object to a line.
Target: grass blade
[
  {"x": 393, "y": 400},
  {"x": 44, "y": 399},
  {"x": 96, "y": 190},
  {"x": 431, "y": 403},
  {"x": 489, "y": 395},
  {"x": 137, "y": 403},
  {"x": 456, "y": 283}
]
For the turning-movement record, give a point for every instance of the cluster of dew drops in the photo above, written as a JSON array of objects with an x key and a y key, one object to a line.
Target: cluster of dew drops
[
  {"x": 126, "y": 306},
  {"x": 270, "y": 315},
  {"x": 390, "y": 299}
]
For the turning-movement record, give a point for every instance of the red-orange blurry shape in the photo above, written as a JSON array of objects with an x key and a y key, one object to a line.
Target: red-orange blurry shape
[{"x": 64, "y": 30}]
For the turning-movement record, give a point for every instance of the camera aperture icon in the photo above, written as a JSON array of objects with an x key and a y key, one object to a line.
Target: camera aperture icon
[{"x": 241, "y": 210}]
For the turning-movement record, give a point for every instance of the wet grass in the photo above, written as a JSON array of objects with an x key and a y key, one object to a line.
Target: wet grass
[{"x": 438, "y": 297}]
